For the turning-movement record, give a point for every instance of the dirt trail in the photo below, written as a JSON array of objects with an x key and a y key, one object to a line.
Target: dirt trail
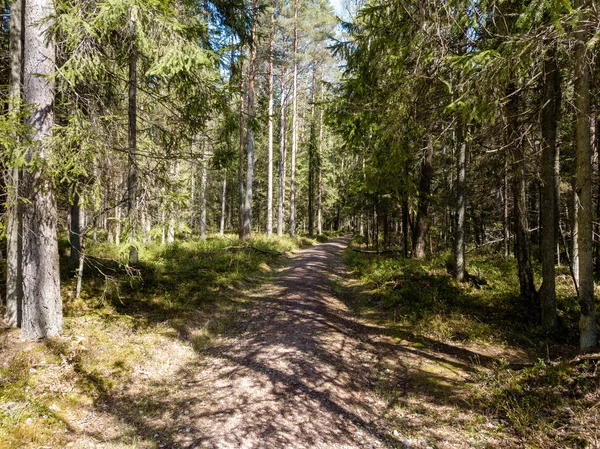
[{"x": 297, "y": 378}]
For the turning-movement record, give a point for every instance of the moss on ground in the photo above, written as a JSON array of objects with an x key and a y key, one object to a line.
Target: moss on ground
[
  {"x": 523, "y": 382},
  {"x": 130, "y": 323}
]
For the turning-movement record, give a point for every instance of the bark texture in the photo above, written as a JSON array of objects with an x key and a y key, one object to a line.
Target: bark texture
[
  {"x": 424, "y": 198},
  {"x": 42, "y": 303},
  {"x": 587, "y": 321},
  {"x": 270, "y": 126},
  {"x": 132, "y": 178},
  {"x": 517, "y": 160},
  {"x": 461, "y": 202},
  {"x": 282, "y": 162},
  {"x": 247, "y": 223},
  {"x": 223, "y": 205},
  {"x": 14, "y": 291},
  {"x": 549, "y": 126},
  {"x": 294, "y": 126}
]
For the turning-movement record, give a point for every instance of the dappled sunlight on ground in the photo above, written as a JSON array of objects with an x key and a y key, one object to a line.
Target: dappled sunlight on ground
[{"x": 301, "y": 371}]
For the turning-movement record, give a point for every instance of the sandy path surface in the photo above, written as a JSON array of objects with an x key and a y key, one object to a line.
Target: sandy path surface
[{"x": 297, "y": 377}]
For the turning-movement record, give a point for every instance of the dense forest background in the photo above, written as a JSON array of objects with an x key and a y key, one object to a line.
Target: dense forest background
[
  {"x": 425, "y": 127},
  {"x": 168, "y": 149}
]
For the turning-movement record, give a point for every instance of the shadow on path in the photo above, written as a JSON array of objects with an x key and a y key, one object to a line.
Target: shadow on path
[{"x": 304, "y": 374}]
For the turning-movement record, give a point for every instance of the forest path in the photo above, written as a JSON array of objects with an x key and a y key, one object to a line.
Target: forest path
[{"x": 298, "y": 377}]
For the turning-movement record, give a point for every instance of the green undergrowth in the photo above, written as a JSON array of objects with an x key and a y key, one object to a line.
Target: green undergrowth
[
  {"x": 549, "y": 404},
  {"x": 423, "y": 297},
  {"x": 524, "y": 381},
  {"x": 128, "y": 322}
]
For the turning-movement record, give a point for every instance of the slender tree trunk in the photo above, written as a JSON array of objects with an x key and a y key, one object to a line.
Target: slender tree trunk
[
  {"x": 522, "y": 249},
  {"x": 376, "y": 224},
  {"x": 320, "y": 172},
  {"x": 461, "y": 202},
  {"x": 75, "y": 231},
  {"x": 192, "y": 203},
  {"x": 282, "y": 162},
  {"x": 42, "y": 303},
  {"x": 405, "y": 226},
  {"x": 223, "y": 205},
  {"x": 241, "y": 151},
  {"x": 163, "y": 237},
  {"x": 550, "y": 113},
  {"x": 294, "y": 126},
  {"x": 422, "y": 227},
  {"x": 14, "y": 289},
  {"x": 118, "y": 225},
  {"x": 132, "y": 180},
  {"x": 147, "y": 226},
  {"x": 247, "y": 228},
  {"x": 80, "y": 266},
  {"x": 312, "y": 162},
  {"x": 506, "y": 221},
  {"x": 597, "y": 125},
  {"x": 574, "y": 217},
  {"x": 172, "y": 211},
  {"x": 270, "y": 126},
  {"x": 587, "y": 322},
  {"x": 557, "y": 200},
  {"x": 203, "y": 183}
]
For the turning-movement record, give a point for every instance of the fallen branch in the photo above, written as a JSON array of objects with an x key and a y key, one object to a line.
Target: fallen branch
[
  {"x": 491, "y": 242},
  {"x": 263, "y": 251},
  {"x": 383, "y": 251},
  {"x": 585, "y": 357}
]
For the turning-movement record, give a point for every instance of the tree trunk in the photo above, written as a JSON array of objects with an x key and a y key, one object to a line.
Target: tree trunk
[
  {"x": 80, "y": 266},
  {"x": 506, "y": 221},
  {"x": 163, "y": 237},
  {"x": 587, "y": 321},
  {"x": 14, "y": 291},
  {"x": 550, "y": 113},
  {"x": 320, "y": 168},
  {"x": 203, "y": 183},
  {"x": 241, "y": 151},
  {"x": 42, "y": 303},
  {"x": 118, "y": 225},
  {"x": 270, "y": 126},
  {"x": 294, "y": 126},
  {"x": 75, "y": 231},
  {"x": 223, "y": 205},
  {"x": 247, "y": 227},
  {"x": 597, "y": 125},
  {"x": 282, "y": 162},
  {"x": 461, "y": 202},
  {"x": 522, "y": 250},
  {"x": 312, "y": 162},
  {"x": 422, "y": 227},
  {"x": 405, "y": 226},
  {"x": 132, "y": 179},
  {"x": 574, "y": 217}
]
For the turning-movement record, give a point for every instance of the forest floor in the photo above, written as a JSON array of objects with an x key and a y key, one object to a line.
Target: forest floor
[{"x": 293, "y": 361}]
